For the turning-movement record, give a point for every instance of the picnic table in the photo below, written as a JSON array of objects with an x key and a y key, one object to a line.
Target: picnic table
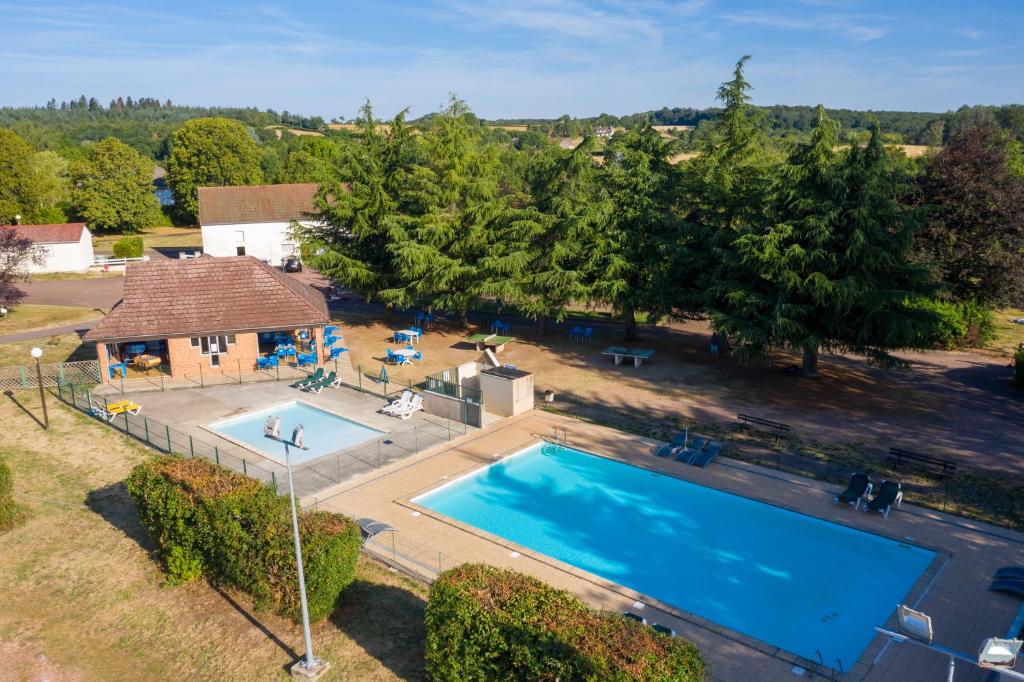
[
  {"x": 410, "y": 334},
  {"x": 492, "y": 341},
  {"x": 407, "y": 354},
  {"x": 637, "y": 354},
  {"x": 146, "y": 361}
]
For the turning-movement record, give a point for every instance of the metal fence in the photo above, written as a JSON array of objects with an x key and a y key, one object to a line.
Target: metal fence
[
  {"x": 54, "y": 374},
  {"x": 441, "y": 382},
  {"x": 970, "y": 493}
]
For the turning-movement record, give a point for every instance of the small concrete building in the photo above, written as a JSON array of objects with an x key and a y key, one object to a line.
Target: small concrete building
[
  {"x": 255, "y": 220},
  {"x": 67, "y": 247},
  {"x": 506, "y": 391},
  {"x": 207, "y": 315}
]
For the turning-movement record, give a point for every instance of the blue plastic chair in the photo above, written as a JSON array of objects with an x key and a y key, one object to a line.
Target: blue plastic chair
[
  {"x": 401, "y": 338},
  {"x": 408, "y": 346},
  {"x": 391, "y": 356},
  {"x": 418, "y": 356},
  {"x": 588, "y": 334},
  {"x": 575, "y": 333},
  {"x": 418, "y": 330},
  {"x": 335, "y": 352},
  {"x": 330, "y": 329}
]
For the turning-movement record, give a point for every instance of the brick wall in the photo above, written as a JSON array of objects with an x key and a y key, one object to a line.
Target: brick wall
[{"x": 186, "y": 360}]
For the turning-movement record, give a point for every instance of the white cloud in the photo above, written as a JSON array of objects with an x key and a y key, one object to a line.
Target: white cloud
[{"x": 858, "y": 29}]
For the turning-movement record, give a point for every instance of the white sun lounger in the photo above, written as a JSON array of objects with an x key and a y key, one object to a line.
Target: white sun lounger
[
  {"x": 398, "y": 404},
  {"x": 414, "y": 406}
]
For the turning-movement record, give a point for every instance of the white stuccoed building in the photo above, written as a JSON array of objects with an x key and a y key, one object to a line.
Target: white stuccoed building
[
  {"x": 66, "y": 247},
  {"x": 254, "y": 220}
]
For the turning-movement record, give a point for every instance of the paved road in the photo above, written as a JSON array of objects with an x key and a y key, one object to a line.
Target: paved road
[
  {"x": 99, "y": 292},
  {"x": 78, "y": 327}
]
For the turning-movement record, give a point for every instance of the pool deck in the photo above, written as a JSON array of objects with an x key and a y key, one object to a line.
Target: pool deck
[{"x": 953, "y": 590}]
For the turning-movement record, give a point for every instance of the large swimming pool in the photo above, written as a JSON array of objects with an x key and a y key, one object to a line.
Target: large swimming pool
[
  {"x": 325, "y": 432},
  {"x": 804, "y": 585}
]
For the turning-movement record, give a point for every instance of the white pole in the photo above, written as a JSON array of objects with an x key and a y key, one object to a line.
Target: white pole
[{"x": 310, "y": 661}]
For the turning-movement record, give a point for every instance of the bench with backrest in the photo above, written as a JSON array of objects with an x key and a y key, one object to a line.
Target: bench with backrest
[
  {"x": 775, "y": 427},
  {"x": 935, "y": 465}
]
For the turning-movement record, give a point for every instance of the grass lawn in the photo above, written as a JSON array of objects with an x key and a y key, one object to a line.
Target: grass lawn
[
  {"x": 84, "y": 600},
  {"x": 27, "y": 317},
  {"x": 157, "y": 237},
  {"x": 1008, "y": 334},
  {"x": 59, "y": 348},
  {"x": 91, "y": 274}
]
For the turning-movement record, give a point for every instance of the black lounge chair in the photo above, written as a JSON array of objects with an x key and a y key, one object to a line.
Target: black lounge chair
[
  {"x": 890, "y": 494},
  {"x": 672, "y": 446},
  {"x": 859, "y": 487},
  {"x": 686, "y": 454},
  {"x": 311, "y": 379},
  {"x": 1011, "y": 572},
  {"x": 1009, "y": 586},
  {"x": 704, "y": 457},
  {"x": 663, "y": 630},
  {"x": 633, "y": 616}
]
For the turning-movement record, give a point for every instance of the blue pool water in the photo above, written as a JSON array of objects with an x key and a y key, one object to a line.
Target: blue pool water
[
  {"x": 793, "y": 581},
  {"x": 325, "y": 432}
]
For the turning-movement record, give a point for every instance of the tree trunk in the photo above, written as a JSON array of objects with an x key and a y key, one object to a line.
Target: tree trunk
[
  {"x": 542, "y": 325},
  {"x": 464, "y": 317},
  {"x": 629, "y": 318},
  {"x": 810, "y": 363}
]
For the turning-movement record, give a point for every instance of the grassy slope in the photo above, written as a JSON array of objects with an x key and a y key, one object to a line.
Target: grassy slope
[
  {"x": 84, "y": 600},
  {"x": 1008, "y": 334}
]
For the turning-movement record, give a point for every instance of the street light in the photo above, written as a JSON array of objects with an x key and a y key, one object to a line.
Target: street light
[
  {"x": 38, "y": 353},
  {"x": 309, "y": 668},
  {"x": 995, "y": 654}
]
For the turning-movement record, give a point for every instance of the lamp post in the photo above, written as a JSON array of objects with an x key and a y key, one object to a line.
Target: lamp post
[
  {"x": 309, "y": 668},
  {"x": 997, "y": 655},
  {"x": 38, "y": 353}
]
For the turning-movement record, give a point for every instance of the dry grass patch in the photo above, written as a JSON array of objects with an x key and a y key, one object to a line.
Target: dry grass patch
[
  {"x": 84, "y": 599},
  {"x": 157, "y": 237},
  {"x": 28, "y": 317},
  {"x": 59, "y": 348}
]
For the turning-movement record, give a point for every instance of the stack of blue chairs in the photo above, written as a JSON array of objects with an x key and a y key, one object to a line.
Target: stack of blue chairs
[
  {"x": 267, "y": 362},
  {"x": 305, "y": 359},
  {"x": 330, "y": 329},
  {"x": 335, "y": 352}
]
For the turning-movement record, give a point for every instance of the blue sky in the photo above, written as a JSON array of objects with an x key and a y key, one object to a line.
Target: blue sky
[{"x": 528, "y": 58}]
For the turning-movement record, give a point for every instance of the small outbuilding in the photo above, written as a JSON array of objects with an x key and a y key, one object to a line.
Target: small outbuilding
[
  {"x": 66, "y": 247},
  {"x": 185, "y": 317}
]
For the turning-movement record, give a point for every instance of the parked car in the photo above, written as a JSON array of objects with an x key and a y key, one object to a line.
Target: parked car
[{"x": 292, "y": 264}]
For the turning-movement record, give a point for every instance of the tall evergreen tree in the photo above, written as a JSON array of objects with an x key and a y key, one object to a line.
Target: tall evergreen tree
[{"x": 832, "y": 269}]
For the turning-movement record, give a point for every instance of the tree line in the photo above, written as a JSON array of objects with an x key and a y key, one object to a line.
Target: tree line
[{"x": 807, "y": 245}]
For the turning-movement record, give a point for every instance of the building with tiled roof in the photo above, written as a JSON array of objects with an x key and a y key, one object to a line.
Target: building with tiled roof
[
  {"x": 66, "y": 247},
  {"x": 207, "y": 314},
  {"x": 255, "y": 220}
]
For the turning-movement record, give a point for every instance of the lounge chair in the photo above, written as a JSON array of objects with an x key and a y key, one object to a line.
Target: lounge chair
[
  {"x": 636, "y": 617},
  {"x": 124, "y": 406},
  {"x": 414, "y": 405},
  {"x": 331, "y": 380},
  {"x": 1011, "y": 572},
  {"x": 1009, "y": 586},
  {"x": 889, "y": 494},
  {"x": 312, "y": 378},
  {"x": 704, "y": 457},
  {"x": 696, "y": 447},
  {"x": 398, "y": 403},
  {"x": 663, "y": 630},
  {"x": 668, "y": 448},
  {"x": 859, "y": 488}
]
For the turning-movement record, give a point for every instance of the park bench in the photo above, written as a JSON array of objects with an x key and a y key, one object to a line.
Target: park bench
[
  {"x": 775, "y": 427},
  {"x": 935, "y": 465}
]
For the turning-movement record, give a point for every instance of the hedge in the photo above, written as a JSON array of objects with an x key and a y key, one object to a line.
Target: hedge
[
  {"x": 8, "y": 510},
  {"x": 1018, "y": 368},
  {"x": 487, "y": 623},
  {"x": 128, "y": 247},
  {"x": 208, "y": 520}
]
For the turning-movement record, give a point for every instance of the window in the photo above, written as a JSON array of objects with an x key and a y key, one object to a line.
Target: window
[
  {"x": 240, "y": 236},
  {"x": 195, "y": 341},
  {"x": 211, "y": 345},
  {"x": 215, "y": 360},
  {"x": 239, "y": 250}
]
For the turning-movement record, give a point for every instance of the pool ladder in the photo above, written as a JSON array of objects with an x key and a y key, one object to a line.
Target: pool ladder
[
  {"x": 820, "y": 660},
  {"x": 554, "y": 441}
]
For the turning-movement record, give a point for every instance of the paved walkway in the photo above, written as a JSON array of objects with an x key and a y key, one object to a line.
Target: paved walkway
[
  {"x": 47, "y": 332},
  {"x": 96, "y": 292}
]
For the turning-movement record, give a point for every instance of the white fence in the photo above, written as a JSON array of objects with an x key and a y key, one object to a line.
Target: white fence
[{"x": 54, "y": 374}]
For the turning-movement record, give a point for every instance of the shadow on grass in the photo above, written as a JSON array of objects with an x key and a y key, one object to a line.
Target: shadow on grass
[
  {"x": 10, "y": 395},
  {"x": 387, "y": 622},
  {"x": 256, "y": 623}
]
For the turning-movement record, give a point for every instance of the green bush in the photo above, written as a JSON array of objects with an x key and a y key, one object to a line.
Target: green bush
[
  {"x": 486, "y": 623},
  {"x": 209, "y": 520},
  {"x": 8, "y": 510},
  {"x": 958, "y": 324},
  {"x": 1018, "y": 368},
  {"x": 128, "y": 247}
]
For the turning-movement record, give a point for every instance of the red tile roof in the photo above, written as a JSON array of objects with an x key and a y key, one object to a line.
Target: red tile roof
[
  {"x": 49, "y": 234},
  {"x": 256, "y": 204},
  {"x": 204, "y": 296}
]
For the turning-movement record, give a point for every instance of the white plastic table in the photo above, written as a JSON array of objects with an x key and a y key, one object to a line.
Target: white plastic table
[
  {"x": 404, "y": 353},
  {"x": 413, "y": 335}
]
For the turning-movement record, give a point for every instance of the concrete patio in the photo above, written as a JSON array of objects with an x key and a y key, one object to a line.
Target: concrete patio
[{"x": 953, "y": 590}]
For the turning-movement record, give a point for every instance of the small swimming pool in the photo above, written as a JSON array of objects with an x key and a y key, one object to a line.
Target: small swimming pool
[
  {"x": 793, "y": 581},
  {"x": 325, "y": 432}
]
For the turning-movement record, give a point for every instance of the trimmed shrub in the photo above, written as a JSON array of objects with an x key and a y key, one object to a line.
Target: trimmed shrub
[
  {"x": 128, "y": 247},
  {"x": 206, "y": 519},
  {"x": 958, "y": 324},
  {"x": 486, "y": 623},
  {"x": 8, "y": 510}
]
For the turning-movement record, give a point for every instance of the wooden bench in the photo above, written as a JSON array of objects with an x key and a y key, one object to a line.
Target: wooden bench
[
  {"x": 763, "y": 424},
  {"x": 935, "y": 465}
]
